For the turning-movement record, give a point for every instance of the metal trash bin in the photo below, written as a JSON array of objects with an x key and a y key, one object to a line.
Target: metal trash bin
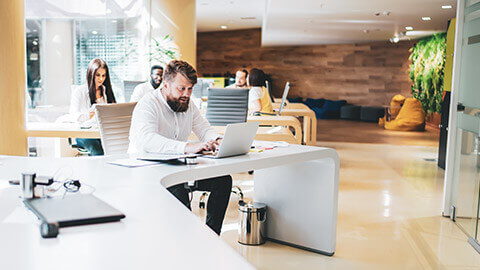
[{"x": 252, "y": 218}]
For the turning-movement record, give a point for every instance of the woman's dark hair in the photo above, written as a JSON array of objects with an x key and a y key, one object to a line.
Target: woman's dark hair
[
  {"x": 256, "y": 77},
  {"x": 92, "y": 68}
]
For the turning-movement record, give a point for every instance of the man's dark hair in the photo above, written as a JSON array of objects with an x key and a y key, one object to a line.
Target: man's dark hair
[
  {"x": 155, "y": 67},
  {"x": 182, "y": 67},
  {"x": 244, "y": 71},
  {"x": 256, "y": 77}
]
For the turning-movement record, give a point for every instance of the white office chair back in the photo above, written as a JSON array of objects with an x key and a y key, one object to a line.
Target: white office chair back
[{"x": 114, "y": 123}]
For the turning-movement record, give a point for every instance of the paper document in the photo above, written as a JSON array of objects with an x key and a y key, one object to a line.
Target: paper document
[
  {"x": 132, "y": 163},
  {"x": 268, "y": 144}
]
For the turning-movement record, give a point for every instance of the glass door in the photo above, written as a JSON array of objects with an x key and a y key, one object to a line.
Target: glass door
[{"x": 467, "y": 146}]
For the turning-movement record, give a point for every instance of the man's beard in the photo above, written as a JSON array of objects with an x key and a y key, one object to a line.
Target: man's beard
[
  {"x": 154, "y": 84},
  {"x": 178, "y": 106}
]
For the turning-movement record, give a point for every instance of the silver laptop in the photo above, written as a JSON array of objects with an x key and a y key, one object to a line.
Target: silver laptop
[
  {"x": 284, "y": 97},
  {"x": 237, "y": 140}
]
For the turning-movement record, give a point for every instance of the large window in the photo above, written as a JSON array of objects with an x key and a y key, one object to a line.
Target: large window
[
  {"x": 116, "y": 41},
  {"x": 64, "y": 36}
]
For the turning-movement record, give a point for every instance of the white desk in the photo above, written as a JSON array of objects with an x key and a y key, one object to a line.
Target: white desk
[{"x": 298, "y": 183}]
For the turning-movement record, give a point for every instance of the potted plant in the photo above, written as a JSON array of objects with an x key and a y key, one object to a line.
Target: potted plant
[
  {"x": 426, "y": 73},
  {"x": 163, "y": 51}
]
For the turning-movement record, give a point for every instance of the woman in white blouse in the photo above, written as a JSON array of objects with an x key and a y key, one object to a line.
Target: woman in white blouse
[{"x": 98, "y": 90}]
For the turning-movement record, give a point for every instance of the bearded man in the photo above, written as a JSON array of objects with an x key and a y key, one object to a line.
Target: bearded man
[{"x": 162, "y": 122}]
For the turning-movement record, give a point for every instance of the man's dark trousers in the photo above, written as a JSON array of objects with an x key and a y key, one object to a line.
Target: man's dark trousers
[{"x": 219, "y": 187}]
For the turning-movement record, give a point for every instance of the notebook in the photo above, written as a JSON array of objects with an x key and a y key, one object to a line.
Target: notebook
[{"x": 72, "y": 210}]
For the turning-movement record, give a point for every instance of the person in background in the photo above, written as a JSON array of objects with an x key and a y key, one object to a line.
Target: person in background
[
  {"x": 258, "y": 97},
  {"x": 162, "y": 122},
  {"x": 98, "y": 90},
  {"x": 156, "y": 77},
  {"x": 240, "y": 79}
]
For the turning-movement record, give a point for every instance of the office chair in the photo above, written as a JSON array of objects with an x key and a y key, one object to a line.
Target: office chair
[
  {"x": 227, "y": 106},
  {"x": 80, "y": 150},
  {"x": 128, "y": 87},
  {"x": 114, "y": 124}
]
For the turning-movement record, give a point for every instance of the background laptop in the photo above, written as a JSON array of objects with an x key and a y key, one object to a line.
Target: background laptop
[
  {"x": 284, "y": 99},
  {"x": 237, "y": 140}
]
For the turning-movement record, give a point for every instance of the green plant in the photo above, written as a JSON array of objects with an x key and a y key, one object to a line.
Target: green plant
[
  {"x": 426, "y": 71},
  {"x": 163, "y": 51}
]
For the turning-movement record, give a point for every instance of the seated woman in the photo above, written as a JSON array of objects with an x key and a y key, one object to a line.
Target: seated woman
[
  {"x": 98, "y": 90},
  {"x": 258, "y": 97}
]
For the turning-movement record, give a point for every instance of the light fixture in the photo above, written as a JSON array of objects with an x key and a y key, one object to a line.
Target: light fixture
[
  {"x": 395, "y": 39},
  {"x": 248, "y": 18},
  {"x": 223, "y": 27},
  {"x": 94, "y": 32},
  {"x": 409, "y": 28},
  {"x": 35, "y": 42},
  {"x": 426, "y": 18},
  {"x": 446, "y": 6}
]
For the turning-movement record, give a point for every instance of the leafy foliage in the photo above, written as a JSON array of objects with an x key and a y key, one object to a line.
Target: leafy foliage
[
  {"x": 427, "y": 70},
  {"x": 163, "y": 51}
]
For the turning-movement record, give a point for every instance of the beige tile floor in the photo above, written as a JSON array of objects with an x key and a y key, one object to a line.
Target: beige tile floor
[{"x": 389, "y": 216}]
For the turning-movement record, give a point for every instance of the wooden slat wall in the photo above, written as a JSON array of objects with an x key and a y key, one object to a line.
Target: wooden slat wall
[{"x": 364, "y": 74}]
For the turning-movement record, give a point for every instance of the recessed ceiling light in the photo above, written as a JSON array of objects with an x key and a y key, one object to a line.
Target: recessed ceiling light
[
  {"x": 426, "y": 18},
  {"x": 204, "y": 4},
  {"x": 94, "y": 32},
  {"x": 223, "y": 27},
  {"x": 446, "y": 6},
  {"x": 248, "y": 18},
  {"x": 409, "y": 28}
]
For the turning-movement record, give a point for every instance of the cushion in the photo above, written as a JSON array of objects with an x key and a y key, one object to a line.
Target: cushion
[
  {"x": 312, "y": 103},
  {"x": 330, "y": 109},
  {"x": 371, "y": 113},
  {"x": 295, "y": 100},
  {"x": 410, "y": 118},
  {"x": 350, "y": 112}
]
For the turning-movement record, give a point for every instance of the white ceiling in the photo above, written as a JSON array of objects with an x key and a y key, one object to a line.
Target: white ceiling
[
  {"x": 212, "y": 14},
  {"x": 308, "y": 22}
]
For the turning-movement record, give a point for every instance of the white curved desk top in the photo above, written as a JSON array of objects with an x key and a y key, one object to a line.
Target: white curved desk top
[{"x": 158, "y": 231}]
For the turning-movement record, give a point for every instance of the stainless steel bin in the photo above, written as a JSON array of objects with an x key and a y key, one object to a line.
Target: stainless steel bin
[{"x": 252, "y": 218}]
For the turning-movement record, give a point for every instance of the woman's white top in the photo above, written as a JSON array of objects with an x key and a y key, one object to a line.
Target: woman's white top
[
  {"x": 255, "y": 93},
  {"x": 80, "y": 107},
  {"x": 156, "y": 128}
]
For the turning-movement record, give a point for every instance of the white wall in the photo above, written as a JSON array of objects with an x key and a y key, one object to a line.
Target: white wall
[{"x": 58, "y": 66}]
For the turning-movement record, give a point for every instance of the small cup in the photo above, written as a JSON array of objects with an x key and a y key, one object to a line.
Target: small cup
[{"x": 27, "y": 184}]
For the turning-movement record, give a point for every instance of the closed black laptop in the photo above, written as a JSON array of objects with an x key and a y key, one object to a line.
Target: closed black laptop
[{"x": 78, "y": 209}]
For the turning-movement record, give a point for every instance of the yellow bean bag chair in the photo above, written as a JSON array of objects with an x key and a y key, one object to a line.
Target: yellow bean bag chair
[
  {"x": 410, "y": 118},
  {"x": 395, "y": 105}
]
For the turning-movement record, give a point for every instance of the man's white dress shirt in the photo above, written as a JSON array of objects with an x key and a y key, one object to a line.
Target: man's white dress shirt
[
  {"x": 156, "y": 128},
  {"x": 141, "y": 90}
]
